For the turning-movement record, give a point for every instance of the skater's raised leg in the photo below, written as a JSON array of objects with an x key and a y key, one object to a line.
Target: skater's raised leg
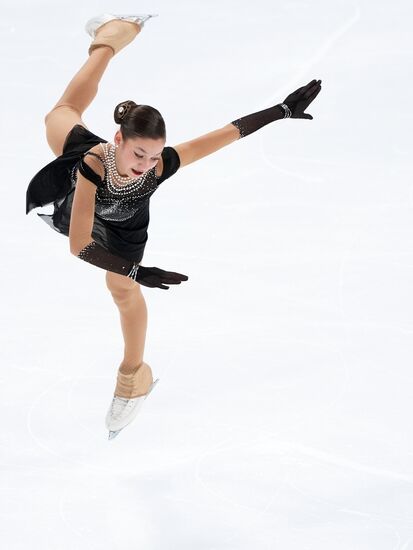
[
  {"x": 79, "y": 94},
  {"x": 83, "y": 87}
]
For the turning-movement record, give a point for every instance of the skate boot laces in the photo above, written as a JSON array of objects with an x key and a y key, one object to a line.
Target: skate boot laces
[{"x": 121, "y": 405}]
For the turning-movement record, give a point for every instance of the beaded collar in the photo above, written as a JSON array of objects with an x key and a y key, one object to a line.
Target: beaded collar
[{"x": 115, "y": 180}]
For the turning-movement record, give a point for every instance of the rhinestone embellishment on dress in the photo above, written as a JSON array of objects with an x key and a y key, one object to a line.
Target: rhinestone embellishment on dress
[{"x": 120, "y": 197}]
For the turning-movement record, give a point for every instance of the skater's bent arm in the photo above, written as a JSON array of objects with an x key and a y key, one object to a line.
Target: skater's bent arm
[
  {"x": 83, "y": 209},
  {"x": 193, "y": 150}
]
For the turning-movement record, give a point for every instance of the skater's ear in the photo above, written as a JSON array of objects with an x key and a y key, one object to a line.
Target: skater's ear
[{"x": 118, "y": 137}]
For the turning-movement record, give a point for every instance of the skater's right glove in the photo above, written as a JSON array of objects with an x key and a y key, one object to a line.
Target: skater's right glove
[
  {"x": 155, "y": 277},
  {"x": 97, "y": 255}
]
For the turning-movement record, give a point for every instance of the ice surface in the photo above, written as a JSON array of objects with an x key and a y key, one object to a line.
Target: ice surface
[{"x": 282, "y": 419}]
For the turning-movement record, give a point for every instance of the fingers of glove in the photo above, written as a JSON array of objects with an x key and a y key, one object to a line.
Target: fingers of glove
[
  {"x": 300, "y": 91},
  {"x": 171, "y": 276},
  {"x": 180, "y": 275},
  {"x": 153, "y": 276},
  {"x": 167, "y": 274},
  {"x": 153, "y": 284},
  {"x": 158, "y": 281},
  {"x": 310, "y": 91},
  {"x": 304, "y": 88},
  {"x": 155, "y": 271},
  {"x": 171, "y": 281},
  {"x": 317, "y": 91},
  {"x": 166, "y": 279},
  {"x": 310, "y": 85},
  {"x": 309, "y": 100}
]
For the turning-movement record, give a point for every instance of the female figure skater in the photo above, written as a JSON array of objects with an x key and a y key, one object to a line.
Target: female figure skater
[{"x": 101, "y": 191}]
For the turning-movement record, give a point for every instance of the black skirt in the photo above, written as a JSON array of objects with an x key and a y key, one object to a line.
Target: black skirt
[{"x": 56, "y": 183}]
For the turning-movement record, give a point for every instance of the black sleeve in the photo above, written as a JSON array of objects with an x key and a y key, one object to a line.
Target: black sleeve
[
  {"x": 251, "y": 123},
  {"x": 171, "y": 163},
  {"x": 87, "y": 172},
  {"x": 95, "y": 254}
]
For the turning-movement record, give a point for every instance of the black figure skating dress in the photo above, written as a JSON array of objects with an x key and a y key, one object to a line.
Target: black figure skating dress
[{"x": 121, "y": 213}]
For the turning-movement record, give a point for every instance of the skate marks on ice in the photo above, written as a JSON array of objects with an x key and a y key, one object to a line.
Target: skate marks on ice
[
  {"x": 309, "y": 67},
  {"x": 376, "y": 269},
  {"x": 66, "y": 422},
  {"x": 310, "y": 64},
  {"x": 266, "y": 478},
  {"x": 278, "y": 489}
]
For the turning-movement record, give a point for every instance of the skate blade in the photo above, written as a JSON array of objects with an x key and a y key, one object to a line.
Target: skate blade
[
  {"x": 137, "y": 16},
  {"x": 152, "y": 386},
  {"x": 112, "y": 435}
]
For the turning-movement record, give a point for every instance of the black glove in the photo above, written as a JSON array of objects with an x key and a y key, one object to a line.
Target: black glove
[
  {"x": 294, "y": 106},
  {"x": 299, "y": 100},
  {"x": 155, "y": 277},
  {"x": 97, "y": 255}
]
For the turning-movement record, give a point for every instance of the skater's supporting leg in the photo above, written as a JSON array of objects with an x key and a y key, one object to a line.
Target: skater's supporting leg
[
  {"x": 130, "y": 301},
  {"x": 76, "y": 98}
]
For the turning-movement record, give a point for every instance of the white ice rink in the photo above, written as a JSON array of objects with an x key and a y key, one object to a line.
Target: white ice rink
[{"x": 283, "y": 415}]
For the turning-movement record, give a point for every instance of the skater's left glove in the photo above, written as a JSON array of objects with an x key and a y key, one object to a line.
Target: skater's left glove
[
  {"x": 299, "y": 100},
  {"x": 293, "y": 106}
]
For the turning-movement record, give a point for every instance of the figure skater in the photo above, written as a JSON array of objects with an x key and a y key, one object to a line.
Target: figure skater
[{"x": 101, "y": 191}]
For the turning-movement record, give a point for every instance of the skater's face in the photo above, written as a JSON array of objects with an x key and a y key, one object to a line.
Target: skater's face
[{"x": 136, "y": 156}]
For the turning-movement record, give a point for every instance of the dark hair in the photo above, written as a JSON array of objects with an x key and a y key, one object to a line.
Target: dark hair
[{"x": 139, "y": 121}]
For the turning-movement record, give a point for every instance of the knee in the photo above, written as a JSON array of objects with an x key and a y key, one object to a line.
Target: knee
[
  {"x": 122, "y": 297},
  {"x": 63, "y": 109},
  {"x": 123, "y": 289}
]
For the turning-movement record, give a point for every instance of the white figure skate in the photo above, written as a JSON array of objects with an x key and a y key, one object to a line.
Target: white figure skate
[
  {"x": 115, "y": 35},
  {"x": 122, "y": 411},
  {"x": 93, "y": 24}
]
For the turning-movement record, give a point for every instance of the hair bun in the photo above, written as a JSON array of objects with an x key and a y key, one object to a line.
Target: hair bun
[{"x": 122, "y": 110}]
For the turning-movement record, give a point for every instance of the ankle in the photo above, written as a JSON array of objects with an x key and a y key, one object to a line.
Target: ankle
[
  {"x": 102, "y": 50},
  {"x": 127, "y": 367},
  {"x": 134, "y": 384}
]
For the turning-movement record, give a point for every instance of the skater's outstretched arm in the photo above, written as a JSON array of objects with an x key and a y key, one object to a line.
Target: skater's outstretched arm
[
  {"x": 193, "y": 150},
  {"x": 293, "y": 106}
]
